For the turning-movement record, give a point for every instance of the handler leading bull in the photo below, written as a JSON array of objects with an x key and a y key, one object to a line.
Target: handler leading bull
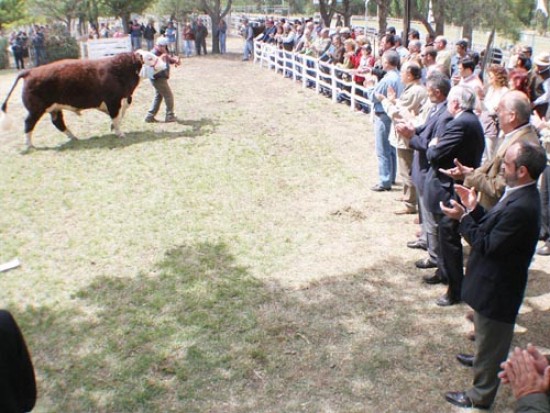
[{"x": 105, "y": 84}]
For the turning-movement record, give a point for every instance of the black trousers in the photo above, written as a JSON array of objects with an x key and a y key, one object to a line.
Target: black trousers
[{"x": 450, "y": 258}]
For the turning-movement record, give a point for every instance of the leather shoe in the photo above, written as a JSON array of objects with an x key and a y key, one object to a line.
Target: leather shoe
[
  {"x": 425, "y": 263},
  {"x": 465, "y": 359},
  {"x": 445, "y": 301},
  {"x": 460, "y": 399},
  {"x": 433, "y": 279},
  {"x": 405, "y": 211},
  {"x": 380, "y": 188},
  {"x": 544, "y": 250},
  {"x": 417, "y": 245}
]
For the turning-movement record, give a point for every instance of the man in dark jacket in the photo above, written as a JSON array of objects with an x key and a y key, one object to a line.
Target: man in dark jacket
[
  {"x": 463, "y": 140},
  {"x": 502, "y": 242},
  {"x": 201, "y": 32}
]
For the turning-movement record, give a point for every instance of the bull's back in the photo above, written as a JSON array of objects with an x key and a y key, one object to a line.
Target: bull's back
[{"x": 82, "y": 84}]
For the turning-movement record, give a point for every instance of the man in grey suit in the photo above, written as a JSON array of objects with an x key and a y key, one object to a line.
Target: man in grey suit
[{"x": 502, "y": 242}]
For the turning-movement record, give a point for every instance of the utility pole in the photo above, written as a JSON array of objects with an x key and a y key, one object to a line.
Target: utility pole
[{"x": 406, "y": 23}]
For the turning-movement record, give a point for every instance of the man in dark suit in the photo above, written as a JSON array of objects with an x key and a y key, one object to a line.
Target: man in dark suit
[
  {"x": 463, "y": 140},
  {"x": 437, "y": 86},
  {"x": 17, "y": 383},
  {"x": 503, "y": 242}
]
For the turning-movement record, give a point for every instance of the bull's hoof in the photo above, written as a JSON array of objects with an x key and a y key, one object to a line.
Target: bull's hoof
[{"x": 121, "y": 135}]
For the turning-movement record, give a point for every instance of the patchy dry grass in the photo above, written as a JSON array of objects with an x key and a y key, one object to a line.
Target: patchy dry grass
[{"x": 232, "y": 262}]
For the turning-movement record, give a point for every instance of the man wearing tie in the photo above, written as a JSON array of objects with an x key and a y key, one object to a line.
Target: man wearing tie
[{"x": 502, "y": 244}]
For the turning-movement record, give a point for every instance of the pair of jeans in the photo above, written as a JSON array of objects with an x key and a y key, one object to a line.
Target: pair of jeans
[
  {"x": 188, "y": 46},
  {"x": 386, "y": 154},
  {"x": 248, "y": 49},
  {"x": 222, "y": 38},
  {"x": 136, "y": 43}
]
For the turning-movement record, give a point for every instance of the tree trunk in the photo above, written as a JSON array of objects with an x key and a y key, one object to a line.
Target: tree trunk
[
  {"x": 382, "y": 15},
  {"x": 215, "y": 18},
  {"x": 346, "y": 12},
  {"x": 467, "y": 31},
  {"x": 325, "y": 9},
  {"x": 438, "y": 8},
  {"x": 125, "y": 17}
]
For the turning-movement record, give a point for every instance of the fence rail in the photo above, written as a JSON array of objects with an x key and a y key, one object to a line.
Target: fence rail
[{"x": 328, "y": 79}]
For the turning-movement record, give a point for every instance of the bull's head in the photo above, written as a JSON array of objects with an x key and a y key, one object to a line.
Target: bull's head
[{"x": 151, "y": 61}]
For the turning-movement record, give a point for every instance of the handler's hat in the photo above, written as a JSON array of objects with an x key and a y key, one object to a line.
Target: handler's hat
[
  {"x": 543, "y": 59},
  {"x": 162, "y": 41}
]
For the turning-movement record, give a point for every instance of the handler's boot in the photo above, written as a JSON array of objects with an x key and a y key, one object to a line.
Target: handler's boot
[
  {"x": 170, "y": 118},
  {"x": 150, "y": 119}
]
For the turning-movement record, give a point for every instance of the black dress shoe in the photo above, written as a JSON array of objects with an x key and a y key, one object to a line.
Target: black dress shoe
[
  {"x": 433, "y": 279},
  {"x": 460, "y": 399},
  {"x": 446, "y": 300},
  {"x": 380, "y": 188},
  {"x": 465, "y": 359},
  {"x": 425, "y": 263},
  {"x": 417, "y": 245}
]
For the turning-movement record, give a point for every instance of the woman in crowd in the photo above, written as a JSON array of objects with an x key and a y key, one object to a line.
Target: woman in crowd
[{"x": 498, "y": 86}]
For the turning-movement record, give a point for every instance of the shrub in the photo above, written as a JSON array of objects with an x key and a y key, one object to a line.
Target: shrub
[
  {"x": 4, "y": 53},
  {"x": 61, "y": 45}
]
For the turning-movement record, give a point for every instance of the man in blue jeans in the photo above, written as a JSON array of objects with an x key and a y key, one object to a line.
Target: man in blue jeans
[{"x": 386, "y": 154}]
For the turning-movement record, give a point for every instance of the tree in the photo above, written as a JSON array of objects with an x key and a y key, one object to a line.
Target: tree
[
  {"x": 383, "y": 9},
  {"x": 326, "y": 10},
  {"x": 64, "y": 11},
  {"x": 214, "y": 9},
  {"x": 124, "y": 8},
  {"x": 11, "y": 11}
]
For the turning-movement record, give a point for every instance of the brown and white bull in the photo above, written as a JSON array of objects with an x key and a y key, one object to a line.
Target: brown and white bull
[{"x": 105, "y": 84}]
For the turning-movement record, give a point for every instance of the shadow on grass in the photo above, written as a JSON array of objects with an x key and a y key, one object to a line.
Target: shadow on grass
[
  {"x": 111, "y": 141},
  {"x": 197, "y": 333}
]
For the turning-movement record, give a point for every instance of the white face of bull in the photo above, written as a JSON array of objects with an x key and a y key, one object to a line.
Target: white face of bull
[{"x": 151, "y": 60}]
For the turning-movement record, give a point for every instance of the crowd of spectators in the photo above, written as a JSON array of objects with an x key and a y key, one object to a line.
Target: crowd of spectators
[
  {"x": 29, "y": 46},
  {"x": 470, "y": 139}
]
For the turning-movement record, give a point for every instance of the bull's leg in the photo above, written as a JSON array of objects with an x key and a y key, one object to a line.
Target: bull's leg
[
  {"x": 59, "y": 122},
  {"x": 30, "y": 123},
  {"x": 116, "y": 111}
]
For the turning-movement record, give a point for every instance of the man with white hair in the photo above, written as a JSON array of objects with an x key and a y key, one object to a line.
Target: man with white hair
[{"x": 462, "y": 140}]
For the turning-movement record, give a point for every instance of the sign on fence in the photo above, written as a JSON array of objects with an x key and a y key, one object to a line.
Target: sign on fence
[{"x": 98, "y": 48}]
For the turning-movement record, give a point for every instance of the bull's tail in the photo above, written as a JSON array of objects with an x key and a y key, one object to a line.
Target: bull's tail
[{"x": 5, "y": 121}]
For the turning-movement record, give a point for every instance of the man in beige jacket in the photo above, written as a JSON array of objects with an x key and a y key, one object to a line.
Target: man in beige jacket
[
  {"x": 407, "y": 107},
  {"x": 514, "y": 111}
]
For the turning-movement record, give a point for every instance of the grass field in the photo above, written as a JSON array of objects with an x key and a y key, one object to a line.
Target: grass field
[{"x": 233, "y": 262}]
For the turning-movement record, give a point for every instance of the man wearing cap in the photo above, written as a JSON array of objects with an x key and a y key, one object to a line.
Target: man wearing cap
[
  {"x": 542, "y": 68},
  {"x": 160, "y": 83}
]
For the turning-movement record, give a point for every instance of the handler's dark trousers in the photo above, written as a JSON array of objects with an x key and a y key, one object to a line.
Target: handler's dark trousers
[
  {"x": 493, "y": 339},
  {"x": 162, "y": 91}
]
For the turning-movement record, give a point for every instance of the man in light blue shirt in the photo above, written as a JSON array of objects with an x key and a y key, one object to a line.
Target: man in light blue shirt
[{"x": 386, "y": 154}]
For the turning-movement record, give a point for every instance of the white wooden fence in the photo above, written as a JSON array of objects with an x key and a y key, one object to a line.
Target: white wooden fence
[
  {"x": 323, "y": 77},
  {"x": 98, "y": 48}
]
